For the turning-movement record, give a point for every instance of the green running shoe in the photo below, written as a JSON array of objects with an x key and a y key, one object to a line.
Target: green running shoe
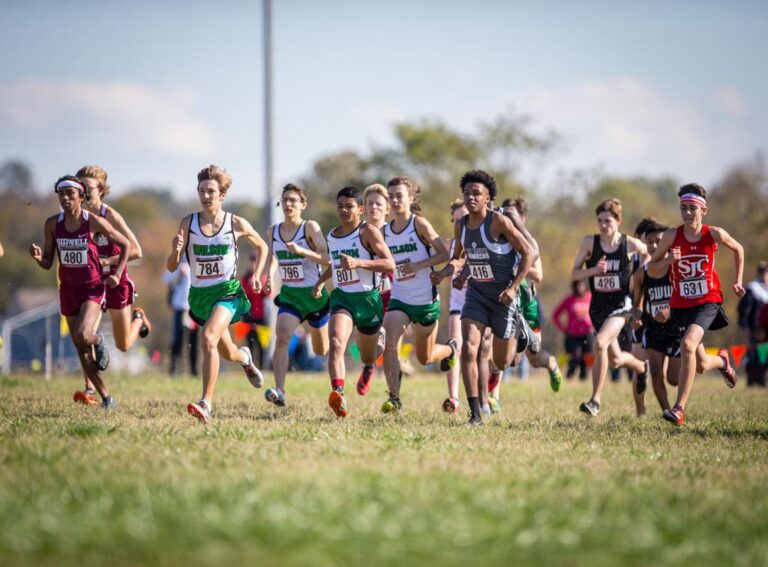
[
  {"x": 555, "y": 376},
  {"x": 392, "y": 405}
]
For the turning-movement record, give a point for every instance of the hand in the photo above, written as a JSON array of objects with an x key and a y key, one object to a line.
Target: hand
[
  {"x": 268, "y": 285},
  {"x": 675, "y": 254},
  {"x": 178, "y": 241},
  {"x": 437, "y": 276},
  {"x": 636, "y": 323},
  {"x": 317, "y": 290},
  {"x": 602, "y": 265},
  {"x": 739, "y": 290},
  {"x": 507, "y": 297},
  {"x": 408, "y": 268},
  {"x": 460, "y": 281},
  {"x": 348, "y": 262},
  {"x": 256, "y": 284},
  {"x": 112, "y": 281},
  {"x": 36, "y": 252},
  {"x": 294, "y": 248},
  {"x": 663, "y": 315}
]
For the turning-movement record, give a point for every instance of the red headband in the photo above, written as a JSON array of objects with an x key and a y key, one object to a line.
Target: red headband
[{"x": 693, "y": 198}]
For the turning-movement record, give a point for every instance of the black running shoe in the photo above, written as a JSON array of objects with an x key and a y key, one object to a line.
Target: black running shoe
[
  {"x": 449, "y": 361},
  {"x": 102, "y": 354},
  {"x": 475, "y": 419}
]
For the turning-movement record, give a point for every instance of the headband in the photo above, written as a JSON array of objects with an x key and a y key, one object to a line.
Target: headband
[
  {"x": 69, "y": 183},
  {"x": 693, "y": 198}
]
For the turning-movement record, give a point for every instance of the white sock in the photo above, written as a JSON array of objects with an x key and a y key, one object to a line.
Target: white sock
[{"x": 207, "y": 405}]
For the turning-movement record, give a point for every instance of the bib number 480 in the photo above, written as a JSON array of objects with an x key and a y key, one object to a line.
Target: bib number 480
[{"x": 74, "y": 258}]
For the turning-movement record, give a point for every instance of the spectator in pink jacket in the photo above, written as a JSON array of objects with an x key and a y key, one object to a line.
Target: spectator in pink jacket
[{"x": 577, "y": 328}]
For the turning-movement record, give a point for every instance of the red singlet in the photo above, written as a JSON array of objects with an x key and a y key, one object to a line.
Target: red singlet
[
  {"x": 694, "y": 279},
  {"x": 78, "y": 256}
]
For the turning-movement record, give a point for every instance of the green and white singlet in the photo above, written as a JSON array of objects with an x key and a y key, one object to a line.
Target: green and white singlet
[
  {"x": 407, "y": 246},
  {"x": 295, "y": 270},
  {"x": 213, "y": 266},
  {"x": 357, "y": 279}
]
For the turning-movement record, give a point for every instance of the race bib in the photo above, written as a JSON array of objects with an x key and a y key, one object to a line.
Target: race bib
[
  {"x": 481, "y": 272},
  {"x": 656, "y": 308},
  {"x": 292, "y": 273},
  {"x": 208, "y": 268},
  {"x": 74, "y": 258},
  {"x": 400, "y": 274},
  {"x": 343, "y": 276},
  {"x": 693, "y": 288},
  {"x": 607, "y": 283}
]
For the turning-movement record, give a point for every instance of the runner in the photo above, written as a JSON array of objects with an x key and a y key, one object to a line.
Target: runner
[
  {"x": 651, "y": 293},
  {"x": 608, "y": 269},
  {"x": 697, "y": 298},
  {"x": 216, "y": 298},
  {"x": 376, "y": 210},
  {"x": 300, "y": 249},
  {"x": 416, "y": 248},
  {"x": 458, "y": 294},
  {"x": 71, "y": 235},
  {"x": 355, "y": 299},
  {"x": 127, "y": 324},
  {"x": 499, "y": 258}
]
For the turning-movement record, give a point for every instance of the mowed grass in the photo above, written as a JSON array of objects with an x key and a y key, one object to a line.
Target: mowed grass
[{"x": 539, "y": 484}]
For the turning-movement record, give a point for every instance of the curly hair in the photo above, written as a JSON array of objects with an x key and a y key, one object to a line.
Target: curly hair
[
  {"x": 612, "y": 206},
  {"x": 479, "y": 176}
]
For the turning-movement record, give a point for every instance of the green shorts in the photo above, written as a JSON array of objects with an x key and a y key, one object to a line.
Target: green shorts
[
  {"x": 229, "y": 294},
  {"x": 422, "y": 314},
  {"x": 365, "y": 308},
  {"x": 529, "y": 306},
  {"x": 300, "y": 302}
]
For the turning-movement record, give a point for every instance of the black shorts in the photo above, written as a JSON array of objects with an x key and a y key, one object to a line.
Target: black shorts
[
  {"x": 709, "y": 316},
  {"x": 664, "y": 338},
  {"x": 491, "y": 313},
  {"x": 601, "y": 313}
]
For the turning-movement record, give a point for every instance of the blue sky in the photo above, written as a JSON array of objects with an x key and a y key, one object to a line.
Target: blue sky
[{"x": 153, "y": 91}]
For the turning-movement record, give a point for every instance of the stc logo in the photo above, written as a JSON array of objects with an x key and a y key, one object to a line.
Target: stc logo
[{"x": 693, "y": 266}]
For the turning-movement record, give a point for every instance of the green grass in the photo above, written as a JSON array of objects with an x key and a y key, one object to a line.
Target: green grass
[{"x": 540, "y": 484}]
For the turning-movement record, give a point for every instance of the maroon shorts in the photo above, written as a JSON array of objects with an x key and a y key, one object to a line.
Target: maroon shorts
[
  {"x": 73, "y": 297},
  {"x": 385, "y": 295},
  {"x": 120, "y": 296}
]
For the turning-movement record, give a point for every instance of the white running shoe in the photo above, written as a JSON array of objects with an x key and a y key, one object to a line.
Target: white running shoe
[{"x": 253, "y": 374}]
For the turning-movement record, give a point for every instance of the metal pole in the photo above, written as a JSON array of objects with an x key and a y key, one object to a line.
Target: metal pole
[
  {"x": 48, "y": 349},
  {"x": 268, "y": 154}
]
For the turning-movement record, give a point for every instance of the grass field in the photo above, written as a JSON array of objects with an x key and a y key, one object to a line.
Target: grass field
[{"x": 540, "y": 484}]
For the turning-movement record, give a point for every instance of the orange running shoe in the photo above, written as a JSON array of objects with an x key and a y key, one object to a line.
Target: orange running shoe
[
  {"x": 338, "y": 403},
  {"x": 85, "y": 397},
  {"x": 729, "y": 374},
  {"x": 364, "y": 382}
]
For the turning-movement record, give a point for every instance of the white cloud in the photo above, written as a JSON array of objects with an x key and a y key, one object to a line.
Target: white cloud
[
  {"x": 730, "y": 101},
  {"x": 129, "y": 115}
]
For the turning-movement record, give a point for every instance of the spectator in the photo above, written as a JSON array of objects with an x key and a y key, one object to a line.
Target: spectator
[
  {"x": 750, "y": 306},
  {"x": 178, "y": 298},
  {"x": 577, "y": 328}
]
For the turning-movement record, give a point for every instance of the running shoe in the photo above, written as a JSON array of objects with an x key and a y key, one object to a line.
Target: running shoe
[
  {"x": 675, "y": 415},
  {"x": 495, "y": 404},
  {"x": 555, "y": 376},
  {"x": 493, "y": 380},
  {"x": 449, "y": 361},
  {"x": 254, "y": 375},
  {"x": 474, "y": 419},
  {"x": 392, "y": 405},
  {"x": 146, "y": 326},
  {"x": 364, "y": 382},
  {"x": 102, "y": 353},
  {"x": 200, "y": 411},
  {"x": 591, "y": 407},
  {"x": 86, "y": 397},
  {"x": 109, "y": 403},
  {"x": 451, "y": 405},
  {"x": 275, "y": 396},
  {"x": 642, "y": 379},
  {"x": 729, "y": 374},
  {"x": 337, "y": 402},
  {"x": 381, "y": 342}
]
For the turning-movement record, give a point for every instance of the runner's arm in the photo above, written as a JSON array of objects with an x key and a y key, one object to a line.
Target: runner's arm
[
  {"x": 520, "y": 244},
  {"x": 637, "y": 294},
  {"x": 244, "y": 229},
  {"x": 636, "y": 245},
  {"x": 585, "y": 250},
  {"x": 179, "y": 244},
  {"x": 373, "y": 239},
  {"x": 720, "y": 236},
  {"x": 44, "y": 256},
  {"x": 270, "y": 264},
  {"x": 117, "y": 221},
  {"x": 319, "y": 253},
  {"x": 104, "y": 227},
  {"x": 427, "y": 233},
  {"x": 660, "y": 259}
]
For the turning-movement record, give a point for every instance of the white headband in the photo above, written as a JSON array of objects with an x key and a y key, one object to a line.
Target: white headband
[{"x": 69, "y": 183}]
